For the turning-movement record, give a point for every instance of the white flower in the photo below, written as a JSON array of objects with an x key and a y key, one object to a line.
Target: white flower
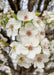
[
  {"x": 46, "y": 13},
  {"x": 45, "y": 46},
  {"x": 12, "y": 27},
  {"x": 25, "y": 15},
  {"x": 29, "y": 30},
  {"x": 26, "y": 41},
  {"x": 18, "y": 38},
  {"x": 41, "y": 36},
  {"x": 38, "y": 24},
  {"x": 14, "y": 47},
  {"x": 13, "y": 55},
  {"x": 28, "y": 33},
  {"x": 13, "y": 23},
  {"x": 23, "y": 61},
  {"x": 21, "y": 49},
  {"x": 52, "y": 46},
  {"x": 1, "y": 44},
  {"x": 1, "y": 56},
  {"x": 32, "y": 51},
  {"x": 18, "y": 48},
  {"x": 50, "y": 65},
  {"x": 40, "y": 70},
  {"x": 51, "y": 26},
  {"x": 12, "y": 33},
  {"x": 39, "y": 60},
  {"x": 49, "y": 19}
]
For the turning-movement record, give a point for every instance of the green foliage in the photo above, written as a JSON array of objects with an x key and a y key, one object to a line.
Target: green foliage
[
  {"x": 14, "y": 15},
  {"x": 5, "y": 43},
  {"x": 37, "y": 13},
  {"x": 5, "y": 17},
  {"x": 51, "y": 74},
  {"x": 1, "y": 62}
]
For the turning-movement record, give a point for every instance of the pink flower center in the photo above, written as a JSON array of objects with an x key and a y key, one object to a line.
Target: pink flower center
[
  {"x": 21, "y": 59},
  {"x": 11, "y": 26},
  {"x": 42, "y": 33},
  {"x": 45, "y": 47},
  {"x": 30, "y": 47},
  {"x": 25, "y": 17},
  {"x": 39, "y": 59},
  {"x": 28, "y": 33},
  {"x": 38, "y": 21}
]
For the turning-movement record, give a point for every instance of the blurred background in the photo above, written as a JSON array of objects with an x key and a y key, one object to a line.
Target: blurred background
[{"x": 32, "y": 5}]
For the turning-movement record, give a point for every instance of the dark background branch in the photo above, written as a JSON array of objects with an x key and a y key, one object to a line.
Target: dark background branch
[
  {"x": 46, "y": 3},
  {"x": 39, "y": 4},
  {"x": 3, "y": 73},
  {"x": 15, "y": 5},
  {"x": 31, "y": 4},
  {"x": 9, "y": 61}
]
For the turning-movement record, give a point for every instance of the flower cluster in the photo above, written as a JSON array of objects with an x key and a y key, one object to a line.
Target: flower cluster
[
  {"x": 4, "y": 17},
  {"x": 31, "y": 47},
  {"x": 3, "y": 41},
  {"x": 49, "y": 19}
]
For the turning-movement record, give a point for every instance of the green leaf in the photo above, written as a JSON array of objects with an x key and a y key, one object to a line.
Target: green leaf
[
  {"x": 15, "y": 16},
  {"x": 51, "y": 74},
  {"x": 37, "y": 13},
  {"x": 53, "y": 14},
  {"x": 1, "y": 62}
]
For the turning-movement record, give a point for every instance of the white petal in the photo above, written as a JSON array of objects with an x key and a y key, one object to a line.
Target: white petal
[{"x": 40, "y": 64}]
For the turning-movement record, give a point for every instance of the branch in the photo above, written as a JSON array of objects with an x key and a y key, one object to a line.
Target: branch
[
  {"x": 39, "y": 4},
  {"x": 18, "y": 4},
  {"x": 1, "y": 10},
  {"x": 46, "y": 3},
  {"x": 3, "y": 73},
  {"x": 10, "y": 64},
  {"x": 13, "y": 5},
  {"x": 31, "y": 4},
  {"x": 50, "y": 34},
  {"x": 5, "y": 35}
]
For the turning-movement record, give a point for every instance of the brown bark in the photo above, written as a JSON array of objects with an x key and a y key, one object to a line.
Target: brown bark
[
  {"x": 46, "y": 3},
  {"x": 1, "y": 10},
  {"x": 9, "y": 61},
  {"x": 50, "y": 34},
  {"x": 31, "y": 4},
  {"x": 5, "y": 35},
  {"x": 3, "y": 73},
  {"x": 18, "y": 4},
  {"x": 39, "y": 4},
  {"x": 27, "y": 73},
  {"x": 15, "y": 5},
  {"x": 23, "y": 71}
]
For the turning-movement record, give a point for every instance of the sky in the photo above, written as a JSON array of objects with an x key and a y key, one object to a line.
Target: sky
[{"x": 25, "y": 2}]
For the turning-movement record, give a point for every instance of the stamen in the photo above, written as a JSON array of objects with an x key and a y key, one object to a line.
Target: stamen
[
  {"x": 39, "y": 59},
  {"x": 21, "y": 59},
  {"x": 28, "y": 33},
  {"x": 11, "y": 26},
  {"x": 45, "y": 47},
  {"x": 38, "y": 21},
  {"x": 25, "y": 17},
  {"x": 30, "y": 47},
  {"x": 42, "y": 33},
  {"x": 14, "y": 47}
]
